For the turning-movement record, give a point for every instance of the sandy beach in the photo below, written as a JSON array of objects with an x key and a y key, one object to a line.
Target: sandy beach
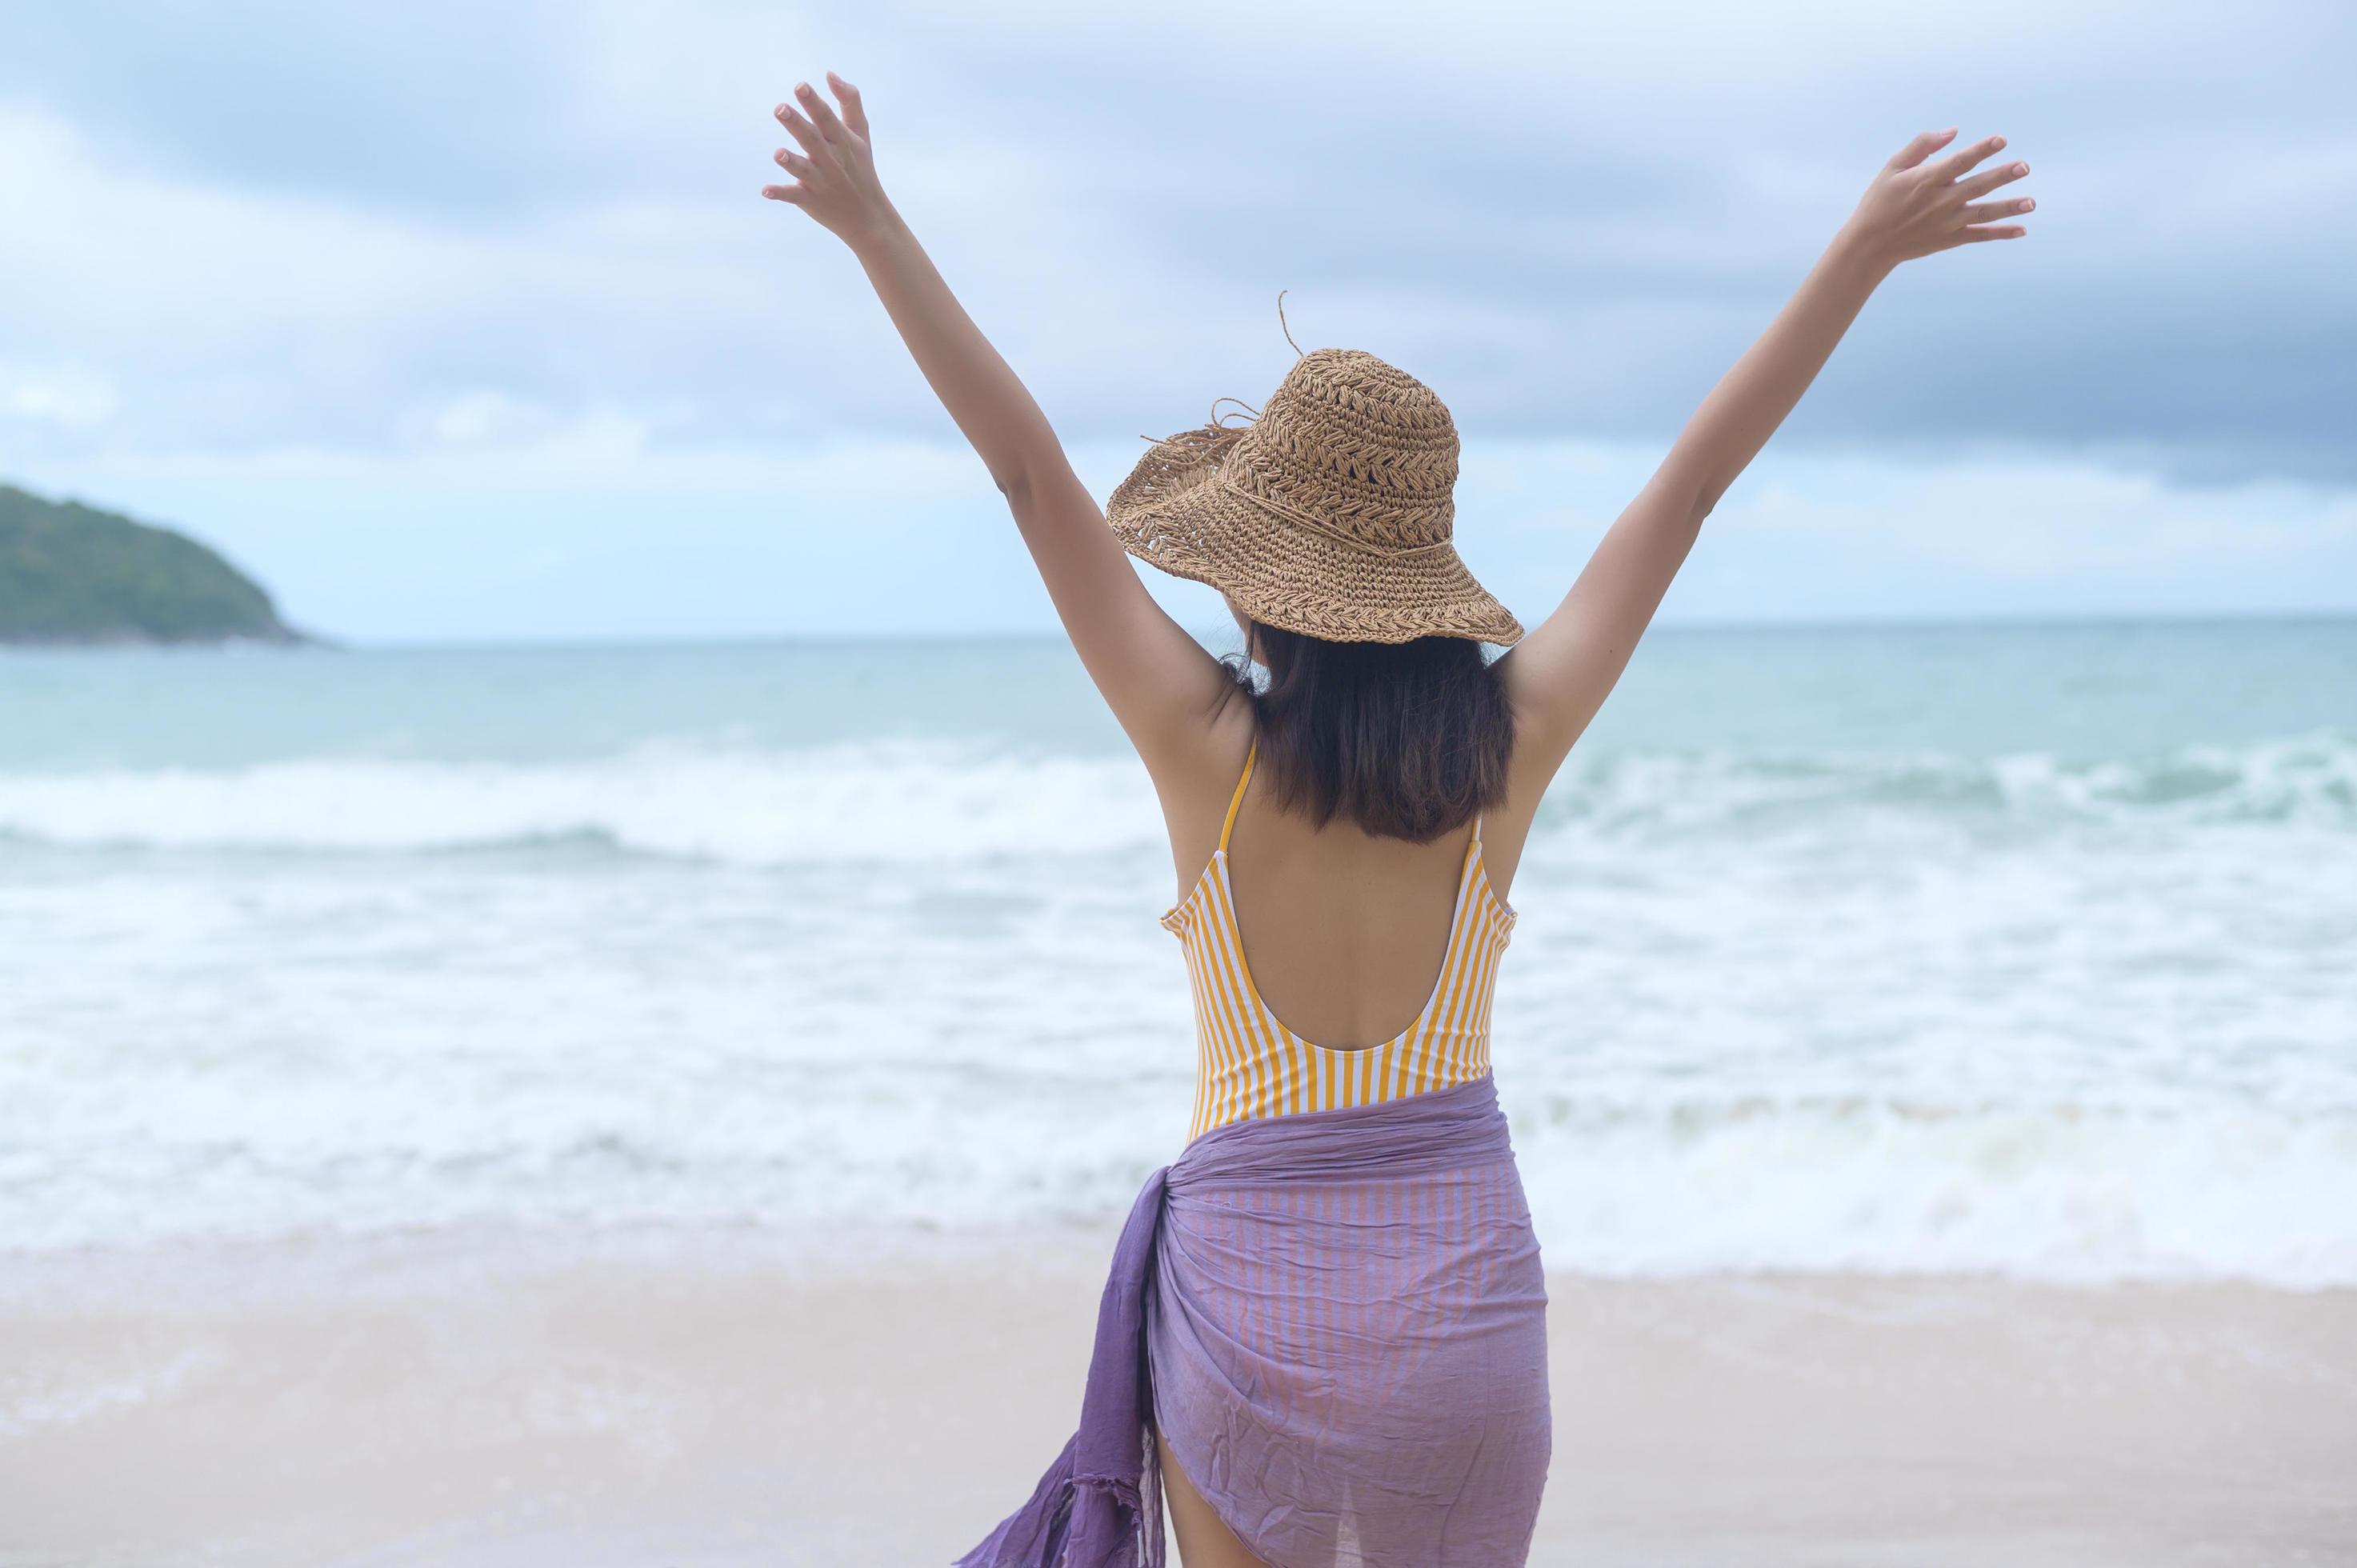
[{"x": 744, "y": 1396}]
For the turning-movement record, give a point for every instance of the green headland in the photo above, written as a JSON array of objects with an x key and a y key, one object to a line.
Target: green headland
[{"x": 73, "y": 573}]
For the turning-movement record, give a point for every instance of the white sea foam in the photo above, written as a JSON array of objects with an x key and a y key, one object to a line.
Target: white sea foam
[
  {"x": 1799, "y": 1009},
  {"x": 2055, "y": 1192},
  {"x": 2058, "y": 1192},
  {"x": 866, "y": 802},
  {"x": 905, "y": 801}
]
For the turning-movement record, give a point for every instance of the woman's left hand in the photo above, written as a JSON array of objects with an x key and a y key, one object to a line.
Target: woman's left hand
[
  {"x": 1914, "y": 206},
  {"x": 834, "y": 173}
]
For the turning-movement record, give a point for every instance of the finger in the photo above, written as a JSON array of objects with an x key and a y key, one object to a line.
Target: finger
[
  {"x": 1989, "y": 179},
  {"x": 794, "y": 164},
  {"x": 1984, "y": 212},
  {"x": 1923, "y": 145},
  {"x": 1989, "y": 231},
  {"x": 791, "y": 194},
  {"x": 1955, "y": 166},
  {"x": 802, "y": 131},
  {"x": 819, "y": 110},
  {"x": 855, "y": 112}
]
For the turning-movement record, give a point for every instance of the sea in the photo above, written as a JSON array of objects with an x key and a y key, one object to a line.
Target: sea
[{"x": 2017, "y": 950}]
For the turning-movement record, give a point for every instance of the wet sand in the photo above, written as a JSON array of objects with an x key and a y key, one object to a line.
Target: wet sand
[{"x": 742, "y": 1396}]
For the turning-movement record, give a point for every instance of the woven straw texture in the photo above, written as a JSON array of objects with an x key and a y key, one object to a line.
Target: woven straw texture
[{"x": 1330, "y": 514}]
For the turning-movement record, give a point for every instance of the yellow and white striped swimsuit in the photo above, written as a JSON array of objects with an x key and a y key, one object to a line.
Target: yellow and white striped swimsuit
[{"x": 1249, "y": 1064}]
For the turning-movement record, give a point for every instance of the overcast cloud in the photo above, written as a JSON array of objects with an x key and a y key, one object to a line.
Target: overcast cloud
[{"x": 350, "y": 287}]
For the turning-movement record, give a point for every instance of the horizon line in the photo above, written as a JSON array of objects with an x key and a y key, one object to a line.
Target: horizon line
[{"x": 1985, "y": 621}]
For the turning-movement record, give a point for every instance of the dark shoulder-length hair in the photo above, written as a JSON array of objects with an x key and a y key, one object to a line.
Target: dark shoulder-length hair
[{"x": 1408, "y": 739}]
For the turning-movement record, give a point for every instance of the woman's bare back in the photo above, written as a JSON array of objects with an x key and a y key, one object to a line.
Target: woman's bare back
[{"x": 1344, "y": 932}]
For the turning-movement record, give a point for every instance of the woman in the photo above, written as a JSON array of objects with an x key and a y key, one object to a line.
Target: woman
[{"x": 1324, "y": 1337}]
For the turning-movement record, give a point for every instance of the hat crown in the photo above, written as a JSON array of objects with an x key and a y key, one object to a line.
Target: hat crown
[
  {"x": 1330, "y": 514},
  {"x": 1359, "y": 443}
]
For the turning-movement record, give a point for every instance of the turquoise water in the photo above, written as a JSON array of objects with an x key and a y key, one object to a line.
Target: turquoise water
[
  {"x": 2030, "y": 949},
  {"x": 2077, "y": 692}
]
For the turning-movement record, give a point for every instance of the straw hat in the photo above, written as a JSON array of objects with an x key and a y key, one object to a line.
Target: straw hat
[{"x": 1328, "y": 514}]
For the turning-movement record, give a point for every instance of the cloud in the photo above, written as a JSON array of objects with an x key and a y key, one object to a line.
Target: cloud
[
  {"x": 438, "y": 247},
  {"x": 2026, "y": 518},
  {"x": 585, "y": 530},
  {"x": 1859, "y": 534},
  {"x": 65, "y": 396},
  {"x": 310, "y": 221}
]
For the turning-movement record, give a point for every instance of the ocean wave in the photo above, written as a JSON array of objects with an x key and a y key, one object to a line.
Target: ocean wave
[
  {"x": 887, "y": 802},
  {"x": 2307, "y": 779},
  {"x": 912, "y": 801},
  {"x": 2067, "y": 1193}
]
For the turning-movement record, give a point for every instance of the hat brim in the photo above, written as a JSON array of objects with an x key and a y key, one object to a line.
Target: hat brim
[{"x": 1171, "y": 514}]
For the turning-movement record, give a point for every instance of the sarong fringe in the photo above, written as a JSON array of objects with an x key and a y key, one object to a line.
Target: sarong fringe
[{"x": 1074, "y": 1522}]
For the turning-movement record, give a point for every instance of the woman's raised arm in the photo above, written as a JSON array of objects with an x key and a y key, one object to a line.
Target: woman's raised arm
[
  {"x": 1161, "y": 683},
  {"x": 1559, "y": 674}
]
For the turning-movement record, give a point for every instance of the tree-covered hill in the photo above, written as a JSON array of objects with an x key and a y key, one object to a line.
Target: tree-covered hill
[{"x": 73, "y": 573}]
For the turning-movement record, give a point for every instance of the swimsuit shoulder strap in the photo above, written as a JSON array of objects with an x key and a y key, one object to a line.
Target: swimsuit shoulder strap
[{"x": 1238, "y": 798}]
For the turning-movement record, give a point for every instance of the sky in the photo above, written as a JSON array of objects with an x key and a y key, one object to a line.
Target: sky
[{"x": 465, "y": 322}]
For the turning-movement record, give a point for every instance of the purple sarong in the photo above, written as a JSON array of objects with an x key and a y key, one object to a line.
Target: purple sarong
[{"x": 1337, "y": 1319}]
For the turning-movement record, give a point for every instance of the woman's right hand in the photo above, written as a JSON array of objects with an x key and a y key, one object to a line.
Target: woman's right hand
[
  {"x": 1915, "y": 206},
  {"x": 834, "y": 173}
]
